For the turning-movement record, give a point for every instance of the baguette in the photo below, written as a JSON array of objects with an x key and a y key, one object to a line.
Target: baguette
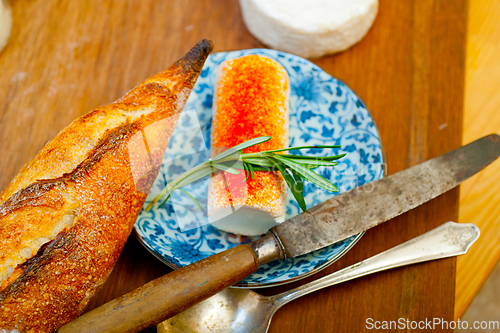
[
  {"x": 66, "y": 216},
  {"x": 250, "y": 100}
]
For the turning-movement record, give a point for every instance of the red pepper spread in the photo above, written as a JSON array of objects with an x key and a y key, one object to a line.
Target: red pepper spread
[{"x": 250, "y": 101}]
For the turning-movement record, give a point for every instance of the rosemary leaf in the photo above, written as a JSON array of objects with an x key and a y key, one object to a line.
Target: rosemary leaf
[
  {"x": 326, "y": 146},
  {"x": 192, "y": 198},
  {"x": 241, "y": 146},
  {"x": 319, "y": 158},
  {"x": 247, "y": 172},
  {"x": 164, "y": 201},
  {"x": 260, "y": 161},
  {"x": 231, "y": 157},
  {"x": 296, "y": 190},
  {"x": 298, "y": 180},
  {"x": 235, "y": 164},
  {"x": 224, "y": 167},
  {"x": 207, "y": 170},
  {"x": 301, "y": 147},
  {"x": 311, "y": 161},
  {"x": 266, "y": 169},
  {"x": 158, "y": 197},
  {"x": 300, "y": 185},
  {"x": 251, "y": 170},
  {"x": 309, "y": 175}
]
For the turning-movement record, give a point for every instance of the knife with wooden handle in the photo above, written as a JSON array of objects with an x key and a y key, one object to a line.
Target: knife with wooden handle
[{"x": 338, "y": 218}]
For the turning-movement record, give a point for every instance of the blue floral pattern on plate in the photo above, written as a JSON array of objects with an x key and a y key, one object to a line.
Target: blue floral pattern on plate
[{"x": 323, "y": 110}]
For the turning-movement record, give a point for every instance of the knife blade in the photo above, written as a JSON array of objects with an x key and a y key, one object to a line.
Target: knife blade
[
  {"x": 358, "y": 210},
  {"x": 337, "y": 218}
]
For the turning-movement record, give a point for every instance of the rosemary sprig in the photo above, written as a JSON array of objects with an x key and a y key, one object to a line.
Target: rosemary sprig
[{"x": 294, "y": 168}]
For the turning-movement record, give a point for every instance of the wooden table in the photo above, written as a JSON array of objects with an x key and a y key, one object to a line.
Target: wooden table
[
  {"x": 480, "y": 195},
  {"x": 68, "y": 57}
]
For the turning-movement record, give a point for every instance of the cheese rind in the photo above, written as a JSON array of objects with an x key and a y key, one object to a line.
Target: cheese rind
[
  {"x": 310, "y": 29},
  {"x": 250, "y": 100},
  {"x": 5, "y": 23}
]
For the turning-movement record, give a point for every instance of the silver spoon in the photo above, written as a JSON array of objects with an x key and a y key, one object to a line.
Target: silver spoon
[{"x": 242, "y": 310}]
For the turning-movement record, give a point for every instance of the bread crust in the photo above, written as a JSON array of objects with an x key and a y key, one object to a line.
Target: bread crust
[{"x": 81, "y": 196}]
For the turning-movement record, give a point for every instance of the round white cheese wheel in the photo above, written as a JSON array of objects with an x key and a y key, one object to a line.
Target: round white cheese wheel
[
  {"x": 309, "y": 28},
  {"x": 5, "y": 23}
]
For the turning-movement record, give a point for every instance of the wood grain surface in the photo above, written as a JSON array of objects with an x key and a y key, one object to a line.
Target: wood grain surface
[
  {"x": 480, "y": 195},
  {"x": 67, "y": 57}
]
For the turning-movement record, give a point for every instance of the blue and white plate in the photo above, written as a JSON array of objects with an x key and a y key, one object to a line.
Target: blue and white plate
[{"x": 323, "y": 110}]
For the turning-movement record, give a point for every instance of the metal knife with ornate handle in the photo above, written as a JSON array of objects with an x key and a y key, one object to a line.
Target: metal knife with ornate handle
[{"x": 333, "y": 220}]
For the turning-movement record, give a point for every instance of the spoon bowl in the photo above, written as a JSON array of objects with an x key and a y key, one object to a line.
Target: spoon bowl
[{"x": 231, "y": 310}]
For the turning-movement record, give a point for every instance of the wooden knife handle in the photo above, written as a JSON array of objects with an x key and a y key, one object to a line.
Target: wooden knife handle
[{"x": 168, "y": 295}]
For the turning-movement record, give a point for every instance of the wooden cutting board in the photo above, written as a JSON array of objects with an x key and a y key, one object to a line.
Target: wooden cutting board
[
  {"x": 480, "y": 195},
  {"x": 68, "y": 57}
]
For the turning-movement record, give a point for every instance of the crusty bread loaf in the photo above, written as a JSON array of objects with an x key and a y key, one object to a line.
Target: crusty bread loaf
[
  {"x": 66, "y": 216},
  {"x": 250, "y": 100}
]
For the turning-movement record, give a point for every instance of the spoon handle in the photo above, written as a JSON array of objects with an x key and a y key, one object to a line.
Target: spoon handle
[{"x": 448, "y": 240}]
